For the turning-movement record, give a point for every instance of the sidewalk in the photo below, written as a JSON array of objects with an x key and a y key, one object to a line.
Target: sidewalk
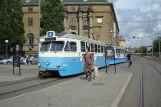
[
  {"x": 6, "y": 73},
  {"x": 105, "y": 91}
]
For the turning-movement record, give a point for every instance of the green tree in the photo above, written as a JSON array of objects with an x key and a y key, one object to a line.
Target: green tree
[
  {"x": 156, "y": 45},
  {"x": 137, "y": 50},
  {"x": 52, "y": 13},
  {"x": 11, "y": 22},
  {"x": 143, "y": 49}
]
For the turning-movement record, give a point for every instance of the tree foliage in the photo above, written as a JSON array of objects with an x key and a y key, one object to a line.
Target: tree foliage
[
  {"x": 142, "y": 49},
  {"x": 52, "y": 16},
  {"x": 156, "y": 45},
  {"x": 11, "y": 22}
]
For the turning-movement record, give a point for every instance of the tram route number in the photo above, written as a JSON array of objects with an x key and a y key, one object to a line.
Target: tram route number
[{"x": 65, "y": 65}]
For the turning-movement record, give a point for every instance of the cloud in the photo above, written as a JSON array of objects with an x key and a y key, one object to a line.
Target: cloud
[
  {"x": 140, "y": 16},
  {"x": 155, "y": 8}
]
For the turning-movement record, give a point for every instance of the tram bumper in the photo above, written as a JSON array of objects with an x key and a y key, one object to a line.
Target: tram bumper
[{"x": 58, "y": 67}]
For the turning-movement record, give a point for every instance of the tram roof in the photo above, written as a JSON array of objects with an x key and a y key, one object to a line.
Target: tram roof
[{"x": 73, "y": 36}]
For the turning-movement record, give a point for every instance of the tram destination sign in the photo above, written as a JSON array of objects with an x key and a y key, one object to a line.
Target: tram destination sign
[
  {"x": 50, "y": 39},
  {"x": 50, "y": 34}
]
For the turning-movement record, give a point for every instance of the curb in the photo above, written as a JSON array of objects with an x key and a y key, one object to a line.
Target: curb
[{"x": 118, "y": 98}]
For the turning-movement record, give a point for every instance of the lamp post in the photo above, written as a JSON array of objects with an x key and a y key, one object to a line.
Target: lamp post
[{"x": 6, "y": 41}]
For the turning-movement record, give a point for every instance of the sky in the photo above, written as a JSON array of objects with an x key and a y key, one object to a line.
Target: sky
[{"x": 133, "y": 17}]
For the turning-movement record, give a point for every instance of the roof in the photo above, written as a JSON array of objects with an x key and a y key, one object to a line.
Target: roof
[
  {"x": 73, "y": 36},
  {"x": 86, "y": 2},
  {"x": 32, "y": 2},
  {"x": 36, "y": 2}
]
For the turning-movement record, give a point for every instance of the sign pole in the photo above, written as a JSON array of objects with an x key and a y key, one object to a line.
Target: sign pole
[
  {"x": 105, "y": 59},
  {"x": 114, "y": 65},
  {"x": 13, "y": 64}
]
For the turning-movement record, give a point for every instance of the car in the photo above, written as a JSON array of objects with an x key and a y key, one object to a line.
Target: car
[{"x": 6, "y": 61}]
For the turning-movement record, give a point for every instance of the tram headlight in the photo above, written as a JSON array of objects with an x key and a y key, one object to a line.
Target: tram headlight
[
  {"x": 39, "y": 65},
  {"x": 57, "y": 65},
  {"x": 47, "y": 62}
]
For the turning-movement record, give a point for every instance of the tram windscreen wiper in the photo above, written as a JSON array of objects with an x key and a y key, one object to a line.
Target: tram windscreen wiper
[{"x": 59, "y": 48}]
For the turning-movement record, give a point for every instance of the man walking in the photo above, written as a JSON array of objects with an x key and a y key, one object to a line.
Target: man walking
[{"x": 88, "y": 58}]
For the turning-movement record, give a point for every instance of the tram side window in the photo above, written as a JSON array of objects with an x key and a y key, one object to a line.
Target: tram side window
[
  {"x": 117, "y": 50},
  {"x": 73, "y": 46},
  {"x": 95, "y": 48},
  {"x": 88, "y": 46},
  {"x": 99, "y": 50},
  {"x": 82, "y": 46},
  {"x": 92, "y": 48}
]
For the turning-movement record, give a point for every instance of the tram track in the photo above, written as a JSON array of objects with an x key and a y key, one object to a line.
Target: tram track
[
  {"x": 23, "y": 87},
  {"x": 7, "y": 83},
  {"x": 156, "y": 69},
  {"x": 141, "y": 86}
]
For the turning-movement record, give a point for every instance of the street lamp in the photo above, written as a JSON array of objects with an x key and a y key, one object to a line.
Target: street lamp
[{"x": 6, "y": 41}]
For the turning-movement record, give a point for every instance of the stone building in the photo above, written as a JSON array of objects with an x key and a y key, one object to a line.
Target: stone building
[
  {"x": 31, "y": 26},
  {"x": 94, "y": 19}
]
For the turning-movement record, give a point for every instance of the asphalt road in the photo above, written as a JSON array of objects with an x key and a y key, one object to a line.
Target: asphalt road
[{"x": 151, "y": 84}]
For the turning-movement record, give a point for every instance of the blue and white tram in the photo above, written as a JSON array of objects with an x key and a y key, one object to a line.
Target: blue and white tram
[
  {"x": 119, "y": 55},
  {"x": 64, "y": 53}
]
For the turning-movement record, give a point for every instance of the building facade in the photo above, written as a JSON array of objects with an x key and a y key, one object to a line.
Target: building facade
[
  {"x": 122, "y": 42},
  {"x": 31, "y": 26},
  {"x": 94, "y": 19}
]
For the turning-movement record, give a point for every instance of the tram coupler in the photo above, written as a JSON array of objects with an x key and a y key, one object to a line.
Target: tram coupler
[{"x": 43, "y": 74}]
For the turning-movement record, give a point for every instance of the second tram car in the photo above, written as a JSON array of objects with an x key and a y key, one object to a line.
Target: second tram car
[{"x": 63, "y": 53}]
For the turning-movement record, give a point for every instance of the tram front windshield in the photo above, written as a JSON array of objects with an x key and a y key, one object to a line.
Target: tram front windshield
[{"x": 52, "y": 46}]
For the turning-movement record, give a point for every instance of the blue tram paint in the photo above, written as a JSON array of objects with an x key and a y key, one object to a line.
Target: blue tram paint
[
  {"x": 117, "y": 60},
  {"x": 68, "y": 66}
]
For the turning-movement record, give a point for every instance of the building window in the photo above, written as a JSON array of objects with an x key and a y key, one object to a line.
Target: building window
[
  {"x": 85, "y": 8},
  {"x": 72, "y": 21},
  {"x": 30, "y": 21},
  {"x": 31, "y": 40},
  {"x": 72, "y": 9},
  {"x": 30, "y": 9},
  {"x": 85, "y": 21}
]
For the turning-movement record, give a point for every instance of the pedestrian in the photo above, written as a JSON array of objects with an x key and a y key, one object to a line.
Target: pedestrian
[
  {"x": 129, "y": 59},
  {"x": 88, "y": 59},
  {"x": 27, "y": 60},
  {"x": 95, "y": 66}
]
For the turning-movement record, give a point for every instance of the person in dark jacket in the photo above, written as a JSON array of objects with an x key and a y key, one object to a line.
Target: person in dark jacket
[{"x": 129, "y": 60}]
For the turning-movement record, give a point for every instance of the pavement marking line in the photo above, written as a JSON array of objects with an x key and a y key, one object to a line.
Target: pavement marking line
[
  {"x": 117, "y": 100},
  {"x": 39, "y": 90}
]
